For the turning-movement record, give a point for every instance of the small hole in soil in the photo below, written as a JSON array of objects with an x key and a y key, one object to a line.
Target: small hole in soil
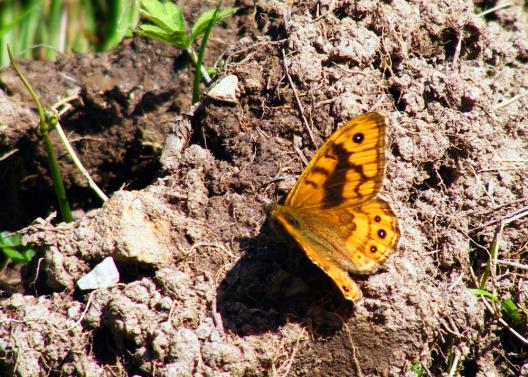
[
  {"x": 450, "y": 41},
  {"x": 396, "y": 93},
  {"x": 469, "y": 46},
  {"x": 469, "y": 368},
  {"x": 444, "y": 175},
  {"x": 103, "y": 346}
]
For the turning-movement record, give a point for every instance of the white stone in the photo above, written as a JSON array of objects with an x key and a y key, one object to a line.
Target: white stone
[
  {"x": 104, "y": 275},
  {"x": 225, "y": 90}
]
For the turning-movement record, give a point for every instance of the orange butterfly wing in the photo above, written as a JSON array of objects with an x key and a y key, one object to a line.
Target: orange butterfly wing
[
  {"x": 333, "y": 211},
  {"x": 347, "y": 169}
]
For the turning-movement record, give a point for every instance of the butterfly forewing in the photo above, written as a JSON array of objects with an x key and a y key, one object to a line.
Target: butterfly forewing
[{"x": 348, "y": 168}]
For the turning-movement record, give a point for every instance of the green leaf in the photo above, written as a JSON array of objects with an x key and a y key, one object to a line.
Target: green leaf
[
  {"x": 13, "y": 240},
  {"x": 176, "y": 14},
  {"x": 29, "y": 254},
  {"x": 151, "y": 8},
  {"x": 167, "y": 16},
  {"x": 512, "y": 312},
  {"x": 14, "y": 255},
  {"x": 201, "y": 23},
  {"x": 178, "y": 39},
  {"x": 11, "y": 246},
  {"x": 417, "y": 368},
  {"x": 481, "y": 292}
]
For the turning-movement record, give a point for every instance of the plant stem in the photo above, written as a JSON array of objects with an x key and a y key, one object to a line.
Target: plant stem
[
  {"x": 194, "y": 59},
  {"x": 45, "y": 125},
  {"x": 199, "y": 62}
]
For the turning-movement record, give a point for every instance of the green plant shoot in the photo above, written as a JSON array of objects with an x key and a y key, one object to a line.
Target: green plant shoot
[{"x": 167, "y": 24}]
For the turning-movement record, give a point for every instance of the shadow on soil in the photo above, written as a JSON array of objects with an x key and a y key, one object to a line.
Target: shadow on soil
[{"x": 273, "y": 284}]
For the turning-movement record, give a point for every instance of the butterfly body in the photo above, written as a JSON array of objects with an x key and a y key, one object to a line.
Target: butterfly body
[{"x": 334, "y": 211}]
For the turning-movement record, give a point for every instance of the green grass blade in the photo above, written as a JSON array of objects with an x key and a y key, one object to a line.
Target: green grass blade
[
  {"x": 199, "y": 62},
  {"x": 493, "y": 251},
  {"x": 124, "y": 15},
  {"x": 481, "y": 292},
  {"x": 53, "y": 29},
  {"x": 7, "y": 240},
  {"x": 14, "y": 255},
  {"x": 28, "y": 30},
  {"x": 512, "y": 312}
]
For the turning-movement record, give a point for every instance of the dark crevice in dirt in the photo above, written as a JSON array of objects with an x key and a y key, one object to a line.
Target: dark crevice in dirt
[
  {"x": 449, "y": 39},
  {"x": 469, "y": 368},
  {"x": 104, "y": 347},
  {"x": 469, "y": 48},
  {"x": 478, "y": 252},
  {"x": 108, "y": 128},
  {"x": 152, "y": 101},
  {"x": 442, "y": 177},
  {"x": 516, "y": 352},
  {"x": 396, "y": 93}
]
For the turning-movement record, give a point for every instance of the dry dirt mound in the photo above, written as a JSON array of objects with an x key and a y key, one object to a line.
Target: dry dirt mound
[{"x": 207, "y": 289}]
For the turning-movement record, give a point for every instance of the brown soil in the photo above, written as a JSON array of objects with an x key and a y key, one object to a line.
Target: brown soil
[{"x": 207, "y": 288}]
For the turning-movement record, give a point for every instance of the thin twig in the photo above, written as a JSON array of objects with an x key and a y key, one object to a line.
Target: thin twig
[
  {"x": 503, "y": 322},
  {"x": 456, "y": 55},
  {"x": 329, "y": 11},
  {"x": 297, "y": 149},
  {"x": 8, "y": 154},
  {"x": 79, "y": 164},
  {"x": 518, "y": 214},
  {"x": 488, "y": 11},
  {"x": 90, "y": 298},
  {"x": 299, "y": 104},
  {"x": 355, "y": 361},
  {"x": 454, "y": 366},
  {"x": 514, "y": 264},
  {"x": 510, "y": 101},
  {"x": 293, "y": 354},
  {"x": 76, "y": 161}
]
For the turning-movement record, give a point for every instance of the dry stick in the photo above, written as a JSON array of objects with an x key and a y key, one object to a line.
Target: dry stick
[
  {"x": 510, "y": 101},
  {"x": 355, "y": 361},
  {"x": 293, "y": 354},
  {"x": 505, "y": 5},
  {"x": 504, "y": 323},
  {"x": 494, "y": 312},
  {"x": 78, "y": 163},
  {"x": 504, "y": 222},
  {"x": 8, "y": 154},
  {"x": 301, "y": 110},
  {"x": 457, "y": 49},
  {"x": 518, "y": 214},
  {"x": 514, "y": 264},
  {"x": 90, "y": 298},
  {"x": 329, "y": 11}
]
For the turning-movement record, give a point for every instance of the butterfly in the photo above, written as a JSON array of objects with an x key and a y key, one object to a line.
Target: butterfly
[{"x": 335, "y": 213}]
